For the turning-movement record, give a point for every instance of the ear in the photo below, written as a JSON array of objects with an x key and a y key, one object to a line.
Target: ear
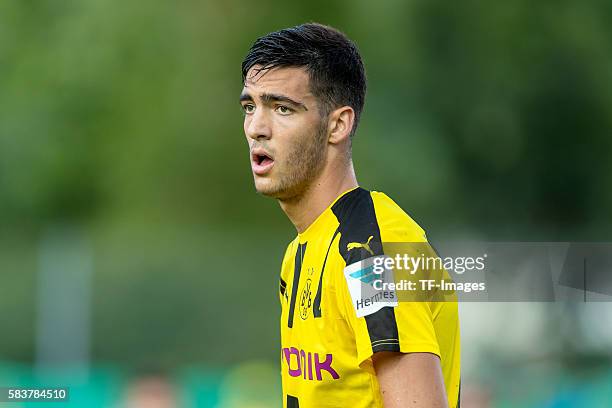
[{"x": 340, "y": 124}]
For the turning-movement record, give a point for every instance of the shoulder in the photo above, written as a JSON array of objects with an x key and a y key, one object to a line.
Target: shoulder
[
  {"x": 394, "y": 223},
  {"x": 366, "y": 219}
]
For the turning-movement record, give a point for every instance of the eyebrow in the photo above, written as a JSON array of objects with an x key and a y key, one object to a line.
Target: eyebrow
[{"x": 269, "y": 98}]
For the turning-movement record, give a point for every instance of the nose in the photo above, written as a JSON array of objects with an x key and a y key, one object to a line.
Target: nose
[{"x": 257, "y": 126}]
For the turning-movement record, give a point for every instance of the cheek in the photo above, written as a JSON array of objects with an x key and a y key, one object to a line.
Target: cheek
[
  {"x": 292, "y": 137},
  {"x": 296, "y": 144},
  {"x": 245, "y": 127},
  {"x": 293, "y": 128}
]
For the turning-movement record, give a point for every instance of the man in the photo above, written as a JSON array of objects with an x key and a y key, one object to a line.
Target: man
[{"x": 304, "y": 90}]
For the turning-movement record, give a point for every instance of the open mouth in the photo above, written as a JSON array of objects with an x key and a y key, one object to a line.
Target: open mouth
[
  {"x": 263, "y": 159},
  {"x": 262, "y": 162}
]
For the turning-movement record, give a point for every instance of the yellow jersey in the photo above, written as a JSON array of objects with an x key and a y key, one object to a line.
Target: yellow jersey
[{"x": 326, "y": 348}]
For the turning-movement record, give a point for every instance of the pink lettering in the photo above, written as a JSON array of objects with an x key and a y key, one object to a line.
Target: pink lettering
[{"x": 326, "y": 365}]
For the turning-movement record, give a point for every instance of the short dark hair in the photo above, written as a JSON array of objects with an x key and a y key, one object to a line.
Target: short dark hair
[{"x": 332, "y": 60}]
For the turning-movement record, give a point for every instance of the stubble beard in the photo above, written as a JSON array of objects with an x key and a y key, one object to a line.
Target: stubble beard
[{"x": 302, "y": 166}]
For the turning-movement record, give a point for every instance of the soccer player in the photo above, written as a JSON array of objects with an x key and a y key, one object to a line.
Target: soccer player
[{"x": 304, "y": 90}]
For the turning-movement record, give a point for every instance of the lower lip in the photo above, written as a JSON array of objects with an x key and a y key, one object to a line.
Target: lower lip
[{"x": 263, "y": 168}]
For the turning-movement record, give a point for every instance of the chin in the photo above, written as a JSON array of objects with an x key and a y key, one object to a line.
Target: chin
[
  {"x": 266, "y": 187},
  {"x": 269, "y": 188}
]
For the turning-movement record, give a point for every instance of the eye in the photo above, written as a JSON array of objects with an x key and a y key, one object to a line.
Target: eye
[
  {"x": 248, "y": 108},
  {"x": 284, "y": 110}
]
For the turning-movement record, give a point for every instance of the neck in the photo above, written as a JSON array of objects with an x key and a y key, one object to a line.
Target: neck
[{"x": 304, "y": 209}]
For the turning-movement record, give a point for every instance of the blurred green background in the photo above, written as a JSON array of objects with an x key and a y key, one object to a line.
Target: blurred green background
[{"x": 135, "y": 253}]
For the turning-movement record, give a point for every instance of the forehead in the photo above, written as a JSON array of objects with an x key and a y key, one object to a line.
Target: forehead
[{"x": 286, "y": 80}]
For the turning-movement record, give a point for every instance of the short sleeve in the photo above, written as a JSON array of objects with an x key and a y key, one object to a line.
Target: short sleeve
[
  {"x": 406, "y": 328},
  {"x": 368, "y": 225}
]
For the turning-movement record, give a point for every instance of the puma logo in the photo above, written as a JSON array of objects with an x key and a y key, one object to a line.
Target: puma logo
[{"x": 365, "y": 245}]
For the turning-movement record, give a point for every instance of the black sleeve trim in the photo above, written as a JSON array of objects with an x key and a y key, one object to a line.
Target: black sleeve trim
[
  {"x": 360, "y": 239},
  {"x": 386, "y": 347}
]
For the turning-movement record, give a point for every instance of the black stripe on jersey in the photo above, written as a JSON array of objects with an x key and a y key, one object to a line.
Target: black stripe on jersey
[
  {"x": 316, "y": 306},
  {"x": 299, "y": 257},
  {"x": 357, "y": 219},
  {"x": 292, "y": 402},
  {"x": 459, "y": 395},
  {"x": 355, "y": 214},
  {"x": 282, "y": 287}
]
